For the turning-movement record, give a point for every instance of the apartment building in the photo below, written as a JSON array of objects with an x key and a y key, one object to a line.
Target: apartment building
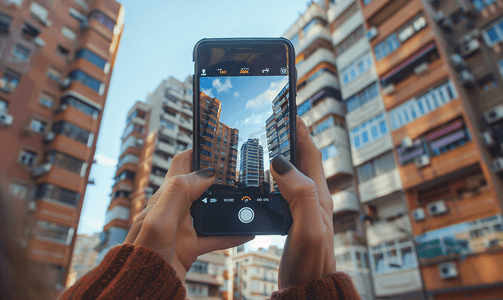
[
  {"x": 255, "y": 273},
  {"x": 320, "y": 105},
  {"x": 156, "y": 130},
  {"x": 251, "y": 163},
  {"x": 437, "y": 63},
  {"x": 84, "y": 256},
  {"x": 56, "y": 63},
  {"x": 219, "y": 144}
]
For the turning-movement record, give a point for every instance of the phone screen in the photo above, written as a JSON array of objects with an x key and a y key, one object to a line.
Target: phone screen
[{"x": 244, "y": 122}]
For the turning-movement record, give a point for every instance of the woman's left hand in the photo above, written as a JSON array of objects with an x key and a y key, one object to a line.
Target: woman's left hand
[{"x": 165, "y": 225}]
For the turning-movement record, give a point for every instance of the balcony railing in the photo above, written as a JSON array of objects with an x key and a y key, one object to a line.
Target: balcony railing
[
  {"x": 319, "y": 56},
  {"x": 165, "y": 147},
  {"x": 317, "y": 32},
  {"x": 322, "y": 109},
  {"x": 323, "y": 80},
  {"x": 345, "y": 201},
  {"x": 161, "y": 162}
]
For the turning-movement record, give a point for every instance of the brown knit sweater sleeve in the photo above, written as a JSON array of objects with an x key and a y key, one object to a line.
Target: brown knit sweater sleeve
[
  {"x": 337, "y": 286},
  {"x": 128, "y": 272}
]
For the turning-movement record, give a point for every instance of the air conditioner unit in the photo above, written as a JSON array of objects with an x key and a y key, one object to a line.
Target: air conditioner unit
[
  {"x": 422, "y": 161},
  {"x": 6, "y": 119},
  {"x": 39, "y": 42},
  {"x": 32, "y": 206},
  {"x": 388, "y": 90},
  {"x": 421, "y": 69},
  {"x": 494, "y": 114},
  {"x": 418, "y": 214},
  {"x": 41, "y": 170},
  {"x": 49, "y": 137},
  {"x": 65, "y": 83},
  {"x": 458, "y": 61},
  {"x": 437, "y": 208},
  {"x": 439, "y": 17},
  {"x": 139, "y": 142},
  {"x": 488, "y": 139},
  {"x": 469, "y": 47},
  {"x": 372, "y": 33},
  {"x": 448, "y": 270},
  {"x": 467, "y": 78},
  {"x": 497, "y": 165},
  {"x": 407, "y": 142}
]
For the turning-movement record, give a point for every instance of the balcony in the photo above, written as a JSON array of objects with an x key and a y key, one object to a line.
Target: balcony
[
  {"x": 186, "y": 123},
  {"x": 365, "y": 79},
  {"x": 204, "y": 278},
  {"x": 89, "y": 68},
  {"x": 87, "y": 92},
  {"x": 156, "y": 180},
  {"x": 63, "y": 178},
  {"x": 380, "y": 186},
  {"x": 168, "y": 132},
  {"x": 384, "y": 231},
  {"x": 372, "y": 150},
  {"x": 398, "y": 282},
  {"x": 174, "y": 105},
  {"x": 322, "y": 109},
  {"x": 49, "y": 252},
  {"x": 322, "y": 81},
  {"x": 342, "y": 32},
  {"x": 454, "y": 160},
  {"x": 340, "y": 165},
  {"x": 185, "y": 138},
  {"x": 317, "y": 32},
  {"x": 165, "y": 147},
  {"x": 77, "y": 118},
  {"x": 335, "y": 10},
  {"x": 313, "y": 11},
  {"x": 67, "y": 145},
  {"x": 161, "y": 162},
  {"x": 345, "y": 201},
  {"x": 57, "y": 212},
  {"x": 319, "y": 56},
  {"x": 333, "y": 135},
  {"x": 365, "y": 112},
  {"x": 187, "y": 110}
]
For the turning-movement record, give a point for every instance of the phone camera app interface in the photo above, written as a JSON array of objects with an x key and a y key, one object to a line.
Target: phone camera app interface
[{"x": 244, "y": 123}]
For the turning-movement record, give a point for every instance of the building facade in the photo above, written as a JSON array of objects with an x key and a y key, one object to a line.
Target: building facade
[
  {"x": 251, "y": 163},
  {"x": 219, "y": 143},
  {"x": 84, "y": 256},
  {"x": 55, "y": 68}
]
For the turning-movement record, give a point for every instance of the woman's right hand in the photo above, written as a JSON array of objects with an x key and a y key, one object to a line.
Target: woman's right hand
[{"x": 309, "y": 248}]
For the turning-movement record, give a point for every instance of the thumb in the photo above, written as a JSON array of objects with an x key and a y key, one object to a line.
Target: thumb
[{"x": 297, "y": 189}]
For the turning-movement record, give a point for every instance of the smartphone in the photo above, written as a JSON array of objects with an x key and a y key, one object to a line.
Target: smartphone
[{"x": 244, "y": 115}]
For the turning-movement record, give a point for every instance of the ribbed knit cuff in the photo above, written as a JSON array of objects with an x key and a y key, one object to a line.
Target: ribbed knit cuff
[
  {"x": 129, "y": 272},
  {"x": 337, "y": 286}
]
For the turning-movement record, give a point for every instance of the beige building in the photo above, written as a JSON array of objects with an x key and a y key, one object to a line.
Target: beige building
[
  {"x": 84, "y": 256},
  {"x": 255, "y": 273}
]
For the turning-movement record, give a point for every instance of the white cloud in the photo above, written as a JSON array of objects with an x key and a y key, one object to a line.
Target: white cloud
[
  {"x": 268, "y": 95},
  {"x": 105, "y": 161},
  {"x": 236, "y": 94},
  {"x": 255, "y": 119},
  {"x": 265, "y": 241},
  {"x": 92, "y": 222},
  {"x": 222, "y": 87},
  {"x": 208, "y": 92}
]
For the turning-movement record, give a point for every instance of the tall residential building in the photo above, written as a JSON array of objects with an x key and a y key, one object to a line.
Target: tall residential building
[
  {"x": 320, "y": 105},
  {"x": 251, "y": 163},
  {"x": 56, "y": 63},
  {"x": 84, "y": 256},
  {"x": 255, "y": 273},
  {"x": 155, "y": 131},
  {"x": 219, "y": 145}
]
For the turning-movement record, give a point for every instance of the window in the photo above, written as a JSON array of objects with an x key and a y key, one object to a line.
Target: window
[
  {"x": 487, "y": 83},
  {"x": 73, "y": 132},
  {"x": 53, "y": 232},
  {"x": 37, "y": 126},
  {"x": 205, "y": 152},
  {"x": 356, "y": 69},
  {"x": 68, "y": 33},
  {"x": 67, "y": 162},
  {"x": 481, "y": 4},
  {"x": 28, "y": 158},
  {"x": 4, "y": 105},
  {"x": 81, "y": 106},
  {"x": 392, "y": 256},
  {"x": 18, "y": 190},
  {"x": 54, "y": 74},
  {"x": 167, "y": 124},
  {"x": 46, "y": 100},
  {"x": 209, "y": 144},
  {"x": 328, "y": 152},
  {"x": 103, "y": 19},
  {"x": 448, "y": 138},
  {"x": 386, "y": 47},
  {"x": 130, "y": 175},
  {"x": 368, "y": 132},
  {"x": 76, "y": 14},
  {"x": 30, "y": 32},
  {"x": 354, "y": 37},
  {"x": 88, "y": 80},
  {"x": 411, "y": 28},
  {"x": 9, "y": 81},
  {"x": 494, "y": 33},
  {"x": 376, "y": 167},
  {"x": 5, "y": 21},
  {"x": 39, "y": 12},
  {"x": 329, "y": 122},
  {"x": 416, "y": 108},
  {"x": 62, "y": 51},
  {"x": 91, "y": 57},
  {"x": 128, "y": 158},
  {"x": 362, "y": 97},
  {"x": 20, "y": 53}
]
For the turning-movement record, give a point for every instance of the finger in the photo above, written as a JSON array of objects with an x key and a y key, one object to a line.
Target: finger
[
  {"x": 180, "y": 165},
  {"x": 136, "y": 227},
  {"x": 311, "y": 164},
  {"x": 213, "y": 243}
]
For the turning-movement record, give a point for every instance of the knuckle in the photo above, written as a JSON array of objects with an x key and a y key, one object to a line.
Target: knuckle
[{"x": 178, "y": 183}]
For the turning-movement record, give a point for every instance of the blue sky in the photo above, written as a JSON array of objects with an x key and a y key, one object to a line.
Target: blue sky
[
  {"x": 246, "y": 104},
  {"x": 158, "y": 39}
]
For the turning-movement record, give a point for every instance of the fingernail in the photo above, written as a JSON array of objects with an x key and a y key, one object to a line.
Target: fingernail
[
  {"x": 281, "y": 165},
  {"x": 205, "y": 173}
]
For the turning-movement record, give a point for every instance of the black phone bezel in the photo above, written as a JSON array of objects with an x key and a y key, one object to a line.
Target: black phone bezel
[{"x": 292, "y": 79}]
